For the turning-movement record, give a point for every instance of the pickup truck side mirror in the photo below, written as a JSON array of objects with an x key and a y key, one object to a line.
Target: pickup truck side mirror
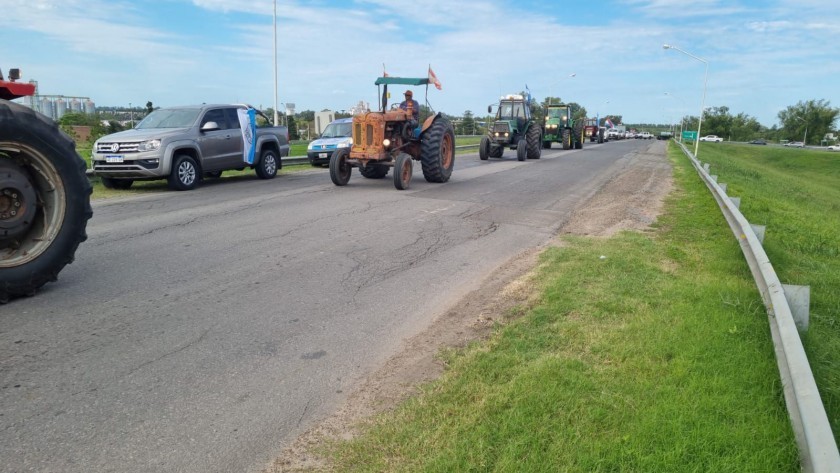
[{"x": 210, "y": 126}]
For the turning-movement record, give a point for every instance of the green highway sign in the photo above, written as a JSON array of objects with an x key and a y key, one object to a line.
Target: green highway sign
[{"x": 689, "y": 135}]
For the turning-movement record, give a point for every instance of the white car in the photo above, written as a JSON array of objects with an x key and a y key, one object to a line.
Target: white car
[
  {"x": 713, "y": 138},
  {"x": 834, "y": 148}
]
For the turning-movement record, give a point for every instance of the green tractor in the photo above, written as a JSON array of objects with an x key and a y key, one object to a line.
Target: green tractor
[
  {"x": 514, "y": 128},
  {"x": 561, "y": 126}
]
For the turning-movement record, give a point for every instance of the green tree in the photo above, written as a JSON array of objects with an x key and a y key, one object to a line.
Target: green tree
[
  {"x": 466, "y": 126},
  {"x": 809, "y": 120},
  {"x": 306, "y": 115},
  {"x": 149, "y": 107},
  {"x": 293, "y": 130}
]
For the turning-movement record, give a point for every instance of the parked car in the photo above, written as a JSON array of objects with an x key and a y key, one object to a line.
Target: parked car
[
  {"x": 184, "y": 144},
  {"x": 338, "y": 134},
  {"x": 712, "y": 138},
  {"x": 834, "y": 148},
  {"x": 758, "y": 142},
  {"x": 795, "y": 144}
]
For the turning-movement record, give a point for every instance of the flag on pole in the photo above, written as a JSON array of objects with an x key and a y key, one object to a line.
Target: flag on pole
[
  {"x": 433, "y": 79},
  {"x": 248, "y": 123},
  {"x": 384, "y": 74},
  {"x": 609, "y": 123},
  {"x": 527, "y": 94}
]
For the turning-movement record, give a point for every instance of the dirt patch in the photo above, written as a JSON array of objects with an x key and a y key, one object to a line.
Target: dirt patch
[{"x": 631, "y": 200}]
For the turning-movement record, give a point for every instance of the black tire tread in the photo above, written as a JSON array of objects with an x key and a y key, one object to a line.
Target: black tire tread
[
  {"x": 24, "y": 125},
  {"x": 430, "y": 161}
]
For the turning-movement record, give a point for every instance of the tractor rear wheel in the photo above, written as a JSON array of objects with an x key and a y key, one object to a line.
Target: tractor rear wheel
[
  {"x": 600, "y": 136},
  {"x": 374, "y": 170},
  {"x": 484, "y": 148},
  {"x": 567, "y": 138},
  {"x": 521, "y": 150},
  {"x": 339, "y": 167},
  {"x": 437, "y": 151},
  {"x": 403, "y": 170},
  {"x": 44, "y": 201},
  {"x": 534, "y": 137}
]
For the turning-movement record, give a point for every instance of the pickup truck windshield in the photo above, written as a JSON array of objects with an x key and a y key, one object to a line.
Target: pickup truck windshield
[
  {"x": 177, "y": 118},
  {"x": 337, "y": 130}
]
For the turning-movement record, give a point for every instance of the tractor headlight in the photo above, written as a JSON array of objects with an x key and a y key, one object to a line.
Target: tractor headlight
[
  {"x": 150, "y": 145},
  {"x": 497, "y": 134},
  {"x": 386, "y": 142},
  {"x": 506, "y": 134}
]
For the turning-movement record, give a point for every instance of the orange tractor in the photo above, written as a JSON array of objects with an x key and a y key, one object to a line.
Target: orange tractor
[
  {"x": 394, "y": 139},
  {"x": 44, "y": 195}
]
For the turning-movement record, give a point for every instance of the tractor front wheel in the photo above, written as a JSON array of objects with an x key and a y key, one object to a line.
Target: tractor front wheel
[
  {"x": 403, "y": 170},
  {"x": 374, "y": 170},
  {"x": 484, "y": 148},
  {"x": 521, "y": 150},
  {"x": 534, "y": 137},
  {"x": 340, "y": 169},
  {"x": 567, "y": 138}
]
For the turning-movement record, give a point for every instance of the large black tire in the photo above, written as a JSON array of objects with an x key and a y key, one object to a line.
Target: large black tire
[
  {"x": 43, "y": 181},
  {"x": 340, "y": 169},
  {"x": 600, "y": 136},
  {"x": 534, "y": 138},
  {"x": 521, "y": 150},
  {"x": 185, "y": 174},
  {"x": 579, "y": 137},
  {"x": 497, "y": 151},
  {"x": 403, "y": 170},
  {"x": 437, "y": 151},
  {"x": 484, "y": 148},
  {"x": 113, "y": 183},
  {"x": 567, "y": 138},
  {"x": 374, "y": 171},
  {"x": 269, "y": 162}
]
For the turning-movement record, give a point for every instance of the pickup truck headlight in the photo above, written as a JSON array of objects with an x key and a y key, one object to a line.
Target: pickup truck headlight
[
  {"x": 150, "y": 145},
  {"x": 343, "y": 144}
]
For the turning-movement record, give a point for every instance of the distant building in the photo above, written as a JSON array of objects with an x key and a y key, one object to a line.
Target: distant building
[{"x": 322, "y": 119}]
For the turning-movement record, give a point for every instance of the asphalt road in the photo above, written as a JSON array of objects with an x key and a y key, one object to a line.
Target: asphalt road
[{"x": 202, "y": 331}]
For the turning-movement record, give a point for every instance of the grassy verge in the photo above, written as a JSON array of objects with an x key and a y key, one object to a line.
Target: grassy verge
[
  {"x": 657, "y": 357},
  {"x": 796, "y": 193}
]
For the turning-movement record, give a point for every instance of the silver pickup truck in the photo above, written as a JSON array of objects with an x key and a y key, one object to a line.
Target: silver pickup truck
[{"x": 183, "y": 145}]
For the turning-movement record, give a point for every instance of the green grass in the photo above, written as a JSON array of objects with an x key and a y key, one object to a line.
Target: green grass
[
  {"x": 656, "y": 358},
  {"x": 796, "y": 194}
]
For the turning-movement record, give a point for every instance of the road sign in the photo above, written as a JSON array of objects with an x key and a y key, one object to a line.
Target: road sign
[{"x": 689, "y": 135}]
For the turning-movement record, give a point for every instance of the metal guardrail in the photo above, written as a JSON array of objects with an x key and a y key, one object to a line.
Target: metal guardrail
[{"x": 817, "y": 448}]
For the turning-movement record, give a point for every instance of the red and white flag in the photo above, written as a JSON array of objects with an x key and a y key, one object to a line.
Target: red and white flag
[{"x": 433, "y": 78}]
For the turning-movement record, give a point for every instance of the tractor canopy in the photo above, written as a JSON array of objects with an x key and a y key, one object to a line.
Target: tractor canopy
[{"x": 402, "y": 80}]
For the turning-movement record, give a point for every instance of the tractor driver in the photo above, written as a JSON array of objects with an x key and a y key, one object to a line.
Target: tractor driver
[{"x": 415, "y": 106}]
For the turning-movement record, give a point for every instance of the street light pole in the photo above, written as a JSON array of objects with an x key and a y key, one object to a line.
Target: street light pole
[
  {"x": 573, "y": 74},
  {"x": 702, "y": 102},
  {"x": 276, "y": 114}
]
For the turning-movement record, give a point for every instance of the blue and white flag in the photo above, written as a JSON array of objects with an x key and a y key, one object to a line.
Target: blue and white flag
[
  {"x": 248, "y": 123},
  {"x": 528, "y": 93}
]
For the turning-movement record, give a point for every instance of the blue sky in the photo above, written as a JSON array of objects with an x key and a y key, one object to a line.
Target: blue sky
[{"x": 763, "y": 56}]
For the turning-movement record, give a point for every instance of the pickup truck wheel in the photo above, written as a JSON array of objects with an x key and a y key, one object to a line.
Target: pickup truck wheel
[
  {"x": 403, "y": 170},
  {"x": 111, "y": 183},
  {"x": 340, "y": 169},
  {"x": 184, "y": 175},
  {"x": 267, "y": 167}
]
